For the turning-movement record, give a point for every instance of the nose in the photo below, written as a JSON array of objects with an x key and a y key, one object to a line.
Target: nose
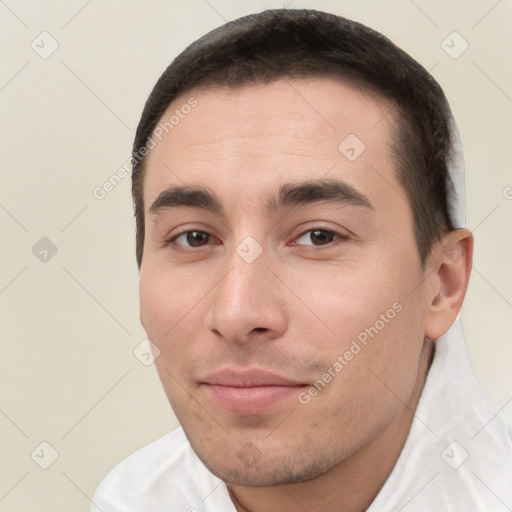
[{"x": 247, "y": 304}]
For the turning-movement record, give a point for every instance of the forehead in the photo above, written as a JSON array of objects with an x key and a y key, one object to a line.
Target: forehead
[{"x": 246, "y": 140}]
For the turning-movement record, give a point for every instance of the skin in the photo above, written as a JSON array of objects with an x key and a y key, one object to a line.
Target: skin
[{"x": 300, "y": 304}]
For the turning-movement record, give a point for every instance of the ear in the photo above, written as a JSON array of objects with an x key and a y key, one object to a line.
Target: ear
[{"x": 449, "y": 269}]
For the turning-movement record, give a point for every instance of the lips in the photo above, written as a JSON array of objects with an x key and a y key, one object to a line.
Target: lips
[
  {"x": 248, "y": 378},
  {"x": 250, "y": 391}
]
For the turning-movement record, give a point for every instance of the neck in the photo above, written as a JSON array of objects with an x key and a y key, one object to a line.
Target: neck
[{"x": 353, "y": 485}]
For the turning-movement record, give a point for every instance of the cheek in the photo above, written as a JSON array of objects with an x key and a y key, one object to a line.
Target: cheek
[
  {"x": 166, "y": 299},
  {"x": 368, "y": 318},
  {"x": 342, "y": 300},
  {"x": 169, "y": 308}
]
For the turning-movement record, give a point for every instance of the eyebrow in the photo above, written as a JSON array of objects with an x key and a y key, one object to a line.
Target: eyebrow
[
  {"x": 328, "y": 190},
  {"x": 193, "y": 197}
]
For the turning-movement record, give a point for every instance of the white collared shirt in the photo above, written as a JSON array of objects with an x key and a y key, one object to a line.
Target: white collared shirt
[{"x": 457, "y": 456}]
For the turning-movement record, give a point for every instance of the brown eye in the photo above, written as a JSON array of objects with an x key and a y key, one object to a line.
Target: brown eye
[
  {"x": 321, "y": 237},
  {"x": 192, "y": 238},
  {"x": 317, "y": 237}
]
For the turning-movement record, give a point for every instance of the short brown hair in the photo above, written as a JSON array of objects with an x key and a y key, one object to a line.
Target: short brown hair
[{"x": 283, "y": 43}]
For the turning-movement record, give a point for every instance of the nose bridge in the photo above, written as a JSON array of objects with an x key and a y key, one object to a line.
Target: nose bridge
[
  {"x": 247, "y": 282},
  {"x": 246, "y": 298}
]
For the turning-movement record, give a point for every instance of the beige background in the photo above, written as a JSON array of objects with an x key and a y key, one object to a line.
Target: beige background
[{"x": 69, "y": 325}]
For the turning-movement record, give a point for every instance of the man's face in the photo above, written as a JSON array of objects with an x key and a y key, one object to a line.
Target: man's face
[{"x": 323, "y": 290}]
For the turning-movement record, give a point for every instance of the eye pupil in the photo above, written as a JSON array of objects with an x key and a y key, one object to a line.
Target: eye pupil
[
  {"x": 196, "y": 238},
  {"x": 321, "y": 237}
]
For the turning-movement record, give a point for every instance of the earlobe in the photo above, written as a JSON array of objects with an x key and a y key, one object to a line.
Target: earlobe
[{"x": 450, "y": 271}]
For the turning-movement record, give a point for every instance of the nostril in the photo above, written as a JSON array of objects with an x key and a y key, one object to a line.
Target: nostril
[{"x": 260, "y": 329}]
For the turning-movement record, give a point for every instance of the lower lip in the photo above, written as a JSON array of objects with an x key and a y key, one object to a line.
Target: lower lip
[{"x": 251, "y": 400}]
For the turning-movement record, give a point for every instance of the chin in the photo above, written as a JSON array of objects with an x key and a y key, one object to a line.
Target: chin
[{"x": 262, "y": 471}]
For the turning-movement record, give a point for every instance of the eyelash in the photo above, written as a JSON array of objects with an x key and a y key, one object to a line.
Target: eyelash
[{"x": 339, "y": 238}]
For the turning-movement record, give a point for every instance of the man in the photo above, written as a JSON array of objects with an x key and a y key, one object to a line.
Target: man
[{"x": 302, "y": 264}]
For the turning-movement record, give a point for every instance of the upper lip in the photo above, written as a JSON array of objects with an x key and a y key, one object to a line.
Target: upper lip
[{"x": 248, "y": 378}]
